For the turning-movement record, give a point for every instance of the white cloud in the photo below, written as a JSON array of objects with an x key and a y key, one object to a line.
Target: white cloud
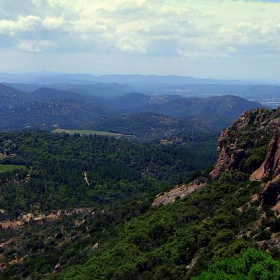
[
  {"x": 23, "y": 24},
  {"x": 131, "y": 44},
  {"x": 37, "y": 46},
  {"x": 52, "y": 23},
  {"x": 29, "y": 23},
  {"x": 87, "y": 26},
  {"x": 187, "y": 29}
]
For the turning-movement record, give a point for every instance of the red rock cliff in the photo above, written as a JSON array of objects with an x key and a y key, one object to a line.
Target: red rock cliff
[
  {"x": 231, "y": 145},
  {"x": 239, "y": 145}
]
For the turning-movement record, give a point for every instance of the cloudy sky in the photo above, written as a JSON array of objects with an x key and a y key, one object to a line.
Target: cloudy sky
[{"x": 200, "y": 38}]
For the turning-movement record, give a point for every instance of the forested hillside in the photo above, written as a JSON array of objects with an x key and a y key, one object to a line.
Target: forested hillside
[
  {"x": 87, "y": 207},
  {"x": 154, "y": 127},
  {"x": 50, "y": 180},
  {"x": 47, "y": 108},
  {"x": 139, "y": 140},
  {"x": 220, "y": 227}
]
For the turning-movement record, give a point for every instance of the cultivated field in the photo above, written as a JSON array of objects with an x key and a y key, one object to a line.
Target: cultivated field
[{"x": 91, "y": 132}]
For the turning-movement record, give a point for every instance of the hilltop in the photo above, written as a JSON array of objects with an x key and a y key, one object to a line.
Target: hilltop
[{"x": 47, "y": 108}]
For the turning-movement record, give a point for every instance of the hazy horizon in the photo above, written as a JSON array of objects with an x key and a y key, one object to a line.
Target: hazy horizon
[
  {"x": 31, "y": 77},
  {"x": 236, "y": 40}
]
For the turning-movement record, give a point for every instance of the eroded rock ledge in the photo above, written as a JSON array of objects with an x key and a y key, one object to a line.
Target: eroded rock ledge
[{"x": 179, "y": 192}]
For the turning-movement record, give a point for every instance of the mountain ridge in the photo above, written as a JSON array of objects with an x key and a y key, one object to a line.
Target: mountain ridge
[{"x": 45, "y": 107}]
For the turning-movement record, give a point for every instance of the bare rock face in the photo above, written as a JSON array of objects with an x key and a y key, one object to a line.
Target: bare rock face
[
  {"x": 255, "y": 129},
  {"x": 232, "y": 149},
  {"x": 271, "y": 165},
  {"x": 228, "y": 161},
  {"x": 270, "y": 169},
  {"x": 223, "y": 163}
]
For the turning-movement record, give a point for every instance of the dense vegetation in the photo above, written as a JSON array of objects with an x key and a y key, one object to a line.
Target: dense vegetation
[
  {"x": 153, "y": 127},
  {"x": 79, "y": 207},
  {"x": 69, "y": 171},
  {"x": 251, "y": 265},
  {"x": 135, "y": 241},
  {"x": 46, "y": 108},
  {"x": 161, "y": 243}
]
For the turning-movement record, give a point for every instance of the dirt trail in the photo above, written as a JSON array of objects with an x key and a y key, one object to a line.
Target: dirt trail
[{"x": 86, "y": 178}]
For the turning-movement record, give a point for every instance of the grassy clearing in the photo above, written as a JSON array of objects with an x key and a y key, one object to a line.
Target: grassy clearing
[
  {"x": 10, "y": 167},
  {"x": 92, "y": 132}
]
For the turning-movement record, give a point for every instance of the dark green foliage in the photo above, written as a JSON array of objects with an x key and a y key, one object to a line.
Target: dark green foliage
[
  {"x": 116, "y": 170},
  {"x": 251, "y": 264},
  {"x": 78, "y": 108},
  {"x": 162, "y": 242},
  {"x": 149, "y": 127},
  {"x": 121, "y": 236},
  {"x": 122, "y": 176}
]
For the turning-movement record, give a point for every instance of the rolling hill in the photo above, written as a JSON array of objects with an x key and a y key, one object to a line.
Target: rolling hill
[{"x": 46, "y": 107}]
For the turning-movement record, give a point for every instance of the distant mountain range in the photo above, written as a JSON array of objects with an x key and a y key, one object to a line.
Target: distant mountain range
[
  {"x": 109, "y": 86},
  {"x": 131, "y": 113},
  {"x": 52, "y": 78}
]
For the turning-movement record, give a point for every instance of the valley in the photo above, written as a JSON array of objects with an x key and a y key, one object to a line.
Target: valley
[
  {"x": 131, "y": 186},
  {"x": 50, "y": 207},
  {"x": 139, "y": 140},
  {"x": 147, "y": 117},
  {"x": 84, "y": 200}
]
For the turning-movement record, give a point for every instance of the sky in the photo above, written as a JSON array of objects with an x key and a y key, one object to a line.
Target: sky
[{"x": 198, "y": 38}]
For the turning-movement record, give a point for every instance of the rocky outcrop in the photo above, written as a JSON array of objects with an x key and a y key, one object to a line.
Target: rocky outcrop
[
  {"x": 270, "y": 169},
  {"x": 250, "y": 130},
  {"x": 229, "y": 159},
  {"x": 31, "y": 218},
  {"x": 271, "y": 165},
  {"x": 256, "y": 130},
  {"x": 272, "y": 243},
  {"x": 179, "y": 192},
  {"x": 231, "y": 149}
]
